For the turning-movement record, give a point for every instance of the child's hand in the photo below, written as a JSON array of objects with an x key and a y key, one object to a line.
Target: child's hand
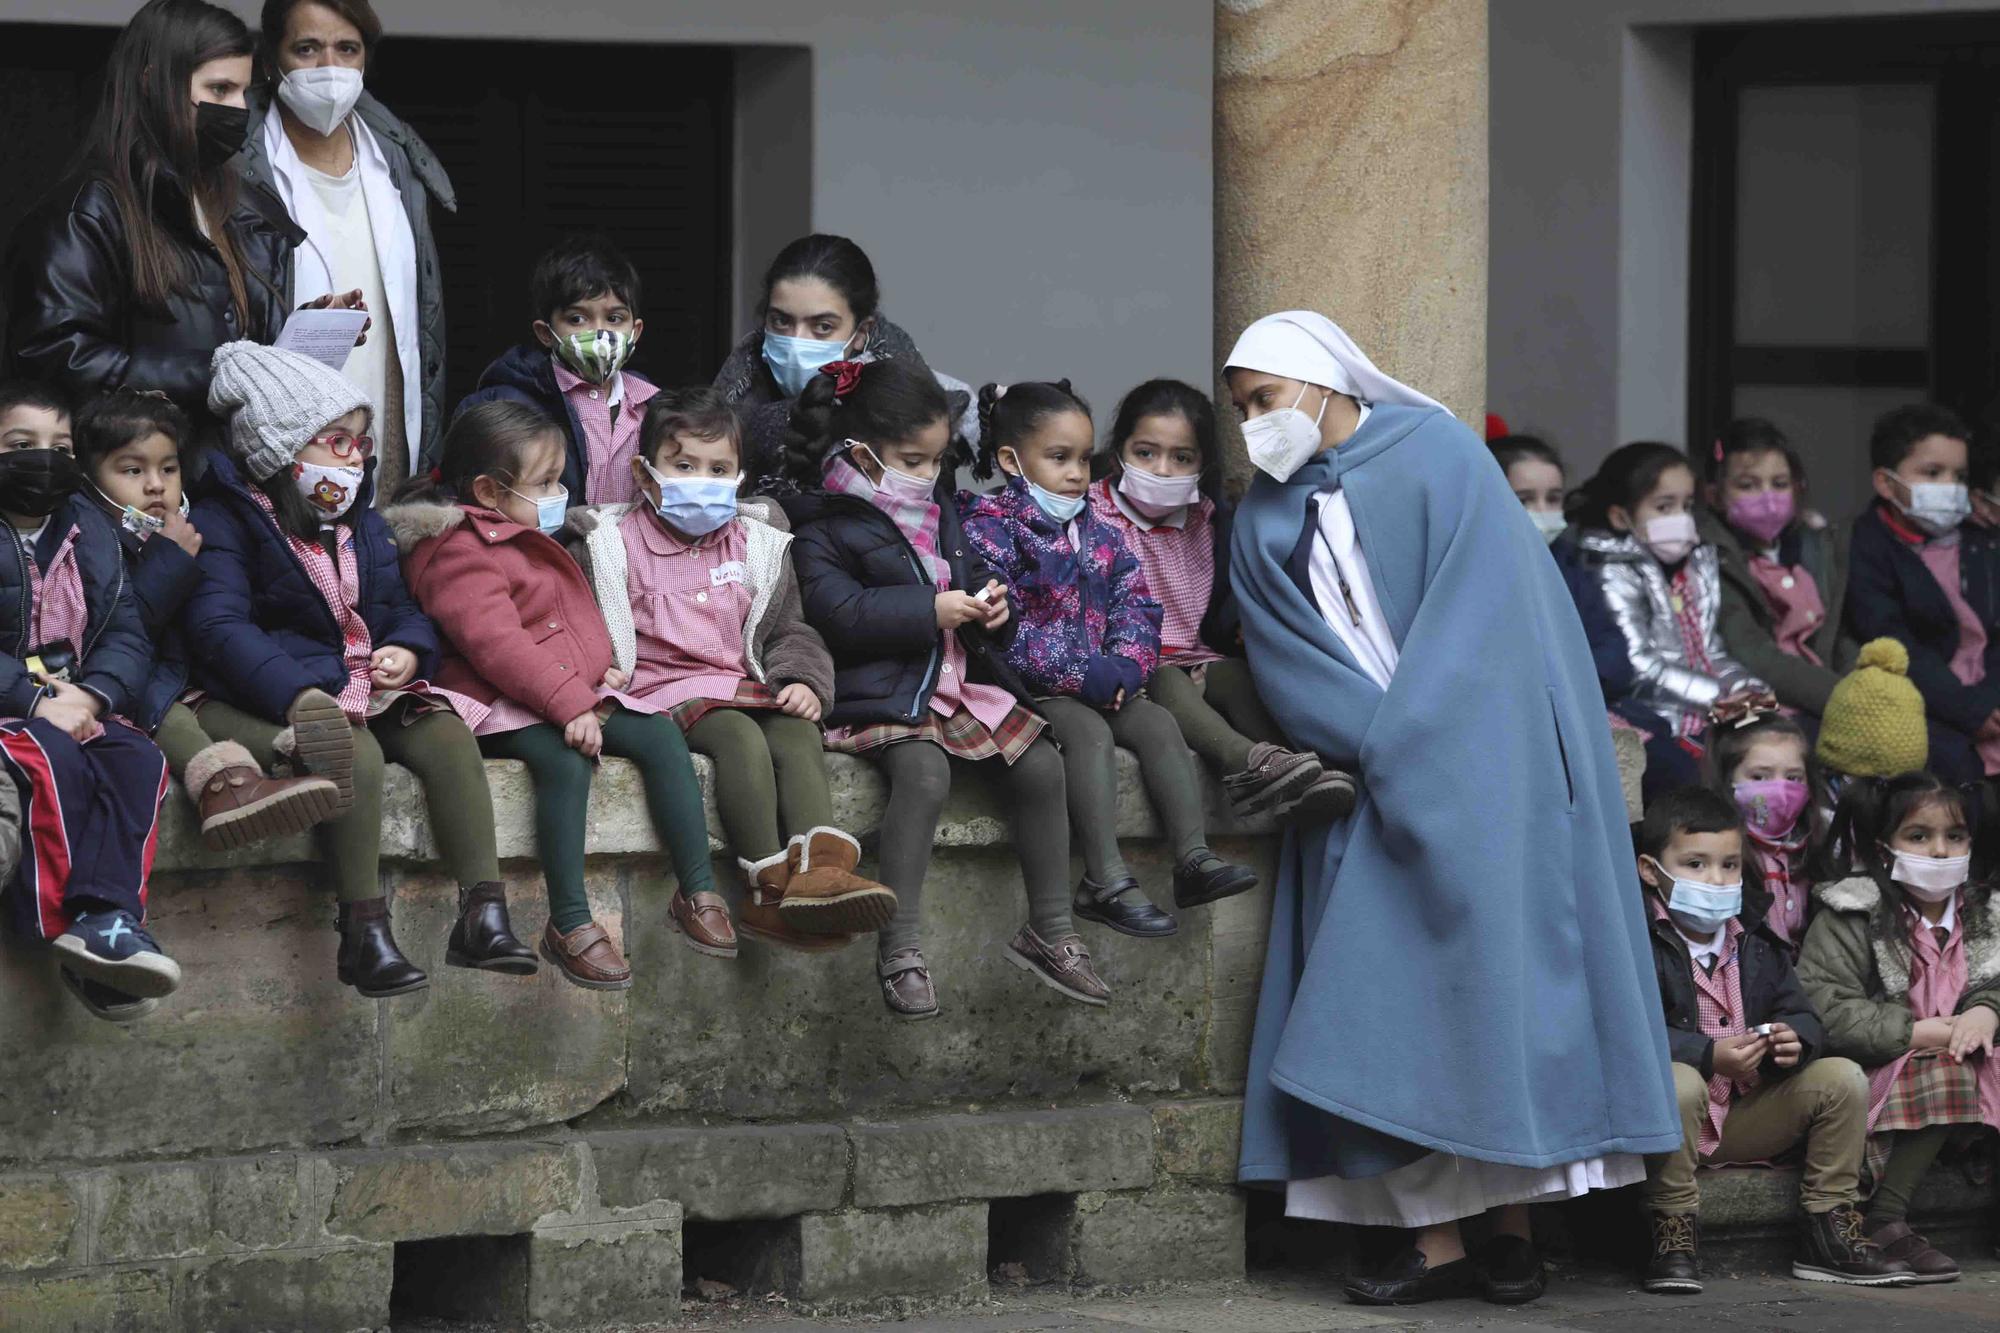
[
  {"x": 1930, "y": 1034},
  {"x": 1108, "y": 680},
  {"x": 997, "y": 609},
  {"x": 1786, "y": 1048},
  {"x": 181, "y": 533},
  {"x": 73, "y": 711},
  {"x": 614, "y": 679},
  {"x": 585, "y": 734},
  {"x": 799, "y": 701},
  {"x": 1737, "y": 1057},
  {"x": 394, "y": 667},
  {"x": 958, "y": 608},
  {"x": 1972, "y": 1033}
]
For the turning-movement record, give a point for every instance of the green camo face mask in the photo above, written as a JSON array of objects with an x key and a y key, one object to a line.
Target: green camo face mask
[{"x": 594, "y": 354}]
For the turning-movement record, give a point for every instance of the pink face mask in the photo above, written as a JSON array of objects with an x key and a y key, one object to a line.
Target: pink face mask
[
  {"x": 1763, "y": 515},
  {"x": 1772, "y": 809}
]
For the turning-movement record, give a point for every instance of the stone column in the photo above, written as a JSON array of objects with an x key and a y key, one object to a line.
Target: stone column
[{"x": 1350, "y": 178}]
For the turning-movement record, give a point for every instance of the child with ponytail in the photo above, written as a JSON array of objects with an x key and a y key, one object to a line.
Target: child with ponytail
[
  {"x": 523, "y": 635},
  {"x": 1903, "y": 964},
  {"x": 1160, "y": 489},
  {"x": 917, "y": 625},
  {"x": 1087, "y": 644},
  {"x": 1764, "y": 763}
]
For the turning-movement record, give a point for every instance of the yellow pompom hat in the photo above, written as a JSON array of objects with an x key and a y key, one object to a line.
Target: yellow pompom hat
[{"x": 1874, "y": 723}]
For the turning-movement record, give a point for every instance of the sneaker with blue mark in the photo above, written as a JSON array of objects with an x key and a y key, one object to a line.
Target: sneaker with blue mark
[
  {"x": 113, "y": 1006},
  {"x": 113, "y": 949}
]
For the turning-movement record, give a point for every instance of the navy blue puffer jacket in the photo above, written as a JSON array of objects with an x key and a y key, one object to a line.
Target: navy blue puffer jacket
[
  {"x": 115, "y": 655},
  {"x": 258, "y": 630}
]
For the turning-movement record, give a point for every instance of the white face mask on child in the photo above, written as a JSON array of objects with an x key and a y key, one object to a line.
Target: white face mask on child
[
  {"x": 1670, "y": 537},
  {"x": 329, "y": 490}
]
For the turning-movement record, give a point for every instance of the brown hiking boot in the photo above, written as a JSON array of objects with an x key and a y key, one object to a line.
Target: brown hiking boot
[
  {"x": 1834, "y": 1247},
  {"x": 239, "y": 805},
  {"x": 760, "y": 918},
  {"x": 703, "y": 921},
  {"x": 1062, "y": 964},
  {"x": 586, "y": 957},
  {"x": 1926, "y": 1261},
  {"x": 823, "y": 895}
]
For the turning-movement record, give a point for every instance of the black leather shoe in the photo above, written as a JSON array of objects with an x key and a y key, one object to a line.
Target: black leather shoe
[
  {"x": 1123, "y": 907},
  {"x": 483, "y": 937},
  {"x": 1675, "y": 1268},
  {"x": 1206, "y": 878},
  {"x": 1510, "y": 1271},
  {"x": 369, "y": 959},
  {"x": 1408, "y": 1279}
]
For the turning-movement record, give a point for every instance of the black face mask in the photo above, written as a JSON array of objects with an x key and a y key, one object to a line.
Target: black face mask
[
  {"x": 35, "y": 482},
  {"x": 219, "y": 132}
]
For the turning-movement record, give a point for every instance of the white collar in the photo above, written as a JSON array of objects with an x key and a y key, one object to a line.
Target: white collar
[
  {"x": 1707, "y": 951},
  {"x": 1946, "y": 922},
  {"x": 1177, "y": 519}
]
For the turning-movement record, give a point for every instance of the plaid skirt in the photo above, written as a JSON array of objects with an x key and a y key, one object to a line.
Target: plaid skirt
[
  {"x": 961, "y": 735},
  {"x": 1930, "y": 1090},
  {"x": 749, "y": 694}
]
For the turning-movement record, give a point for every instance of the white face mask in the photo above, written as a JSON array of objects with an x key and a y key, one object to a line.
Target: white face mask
[
  {"x": 1931, "y": 879},
  {"x": 321, "y": 95},
  {"x": 1156, "y": 496},
  {"x": 1550, "y": 523},
  {"x": 1937, "y": 507},
  {"x": 1670, "y": 537},
  {"x": 329, "y": 490},
  {"x": 1280, "y": 441}
]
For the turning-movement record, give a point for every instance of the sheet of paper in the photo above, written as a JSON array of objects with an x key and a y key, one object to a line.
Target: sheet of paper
[{"x": 327, "y": 336}]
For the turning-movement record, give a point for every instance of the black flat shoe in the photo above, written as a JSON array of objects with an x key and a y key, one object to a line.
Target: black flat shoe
[
  {"x": 484, "y": 938},
  {"x": 1123, "y": 907},
  {"x": 1207, "y": 878},
  {"x": 1510, "y": 1271},
  {"x": 1408, "y": 1279}
]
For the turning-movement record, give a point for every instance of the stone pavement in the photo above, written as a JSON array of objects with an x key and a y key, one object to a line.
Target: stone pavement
[{"x": 1595, "y": 1302}]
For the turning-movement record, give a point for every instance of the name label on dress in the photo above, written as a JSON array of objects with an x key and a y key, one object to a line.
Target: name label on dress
[{"x": 729, "y": 571}]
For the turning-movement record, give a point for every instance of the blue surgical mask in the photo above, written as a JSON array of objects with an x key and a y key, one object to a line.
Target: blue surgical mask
[
  {"x": 794, "y": 361},
  {"x": 549, "y": 510},
  {"x": 1702, "y": 908},
  {"x": 1061, "y": 508},
  {"x": 696, "y": 506}
]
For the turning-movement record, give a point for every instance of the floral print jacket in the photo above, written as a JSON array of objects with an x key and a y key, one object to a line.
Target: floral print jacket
[{"x": 1069, "y": 607}]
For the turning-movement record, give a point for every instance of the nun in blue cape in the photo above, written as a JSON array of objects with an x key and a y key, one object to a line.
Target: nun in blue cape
[{"x": 1458, "y": 1009}]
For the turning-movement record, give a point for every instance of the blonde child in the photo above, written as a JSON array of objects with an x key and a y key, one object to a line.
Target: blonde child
[
  {"x": 698, "y": 591},
  {"x": 1903, "y": 962},
  {"x": 524, "y": 637},
  {"x": 1160, "y": 489},
  {"x": 308, "y": 644},
  {"x": 1087, "y": 643}
]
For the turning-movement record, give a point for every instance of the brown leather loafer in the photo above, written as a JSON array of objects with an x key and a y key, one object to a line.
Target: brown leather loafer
[
  {"x": 239, "y": 805},
  {"x": 906, "y": 985},
  {"x": 823, "y": 895},
  {"x": 703, "y": 921},
  {"x": 1926, "y": 1261},
  {"x": 587, "y": 957},
  {"x": 1062, "y": 964}
]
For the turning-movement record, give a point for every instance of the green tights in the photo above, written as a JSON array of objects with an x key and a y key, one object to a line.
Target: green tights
[
  {"x": 770, "y": 777},
  {"x": 1910, "y": 1155},
  {"x": 562, "y": 800},
  {"x": 1221, "y": 716},
  {"x": 437, "y": 747}
]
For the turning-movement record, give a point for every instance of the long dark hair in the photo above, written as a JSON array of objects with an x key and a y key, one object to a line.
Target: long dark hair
[
  {"x": 144, "y": 131},
  {"x": 1624, "y": 479},
  {"x": 1160, "y": 398},
  {"x": 891, "y": 400},
  {"x": 1870, "y": 812}
]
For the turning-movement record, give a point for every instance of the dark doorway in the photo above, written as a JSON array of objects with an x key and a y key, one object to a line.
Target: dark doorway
[
  {"x": 539, "y": 139},
  {"x": 1846, "y": 204}
]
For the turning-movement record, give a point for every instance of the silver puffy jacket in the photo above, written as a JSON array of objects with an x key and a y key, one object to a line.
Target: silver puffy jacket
[{"x": 1637, "y": 591}]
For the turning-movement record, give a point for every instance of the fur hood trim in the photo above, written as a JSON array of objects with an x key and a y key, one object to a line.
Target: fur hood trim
[{"x": 420, "y": 521}]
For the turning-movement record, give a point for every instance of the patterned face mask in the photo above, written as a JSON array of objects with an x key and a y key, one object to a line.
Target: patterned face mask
[
  {"x": 329, "y": 490},
  {"x": 594, "y": 354}
]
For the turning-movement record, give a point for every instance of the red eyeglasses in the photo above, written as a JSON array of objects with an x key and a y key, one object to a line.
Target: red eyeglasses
[{"x": 344, "y": 445}]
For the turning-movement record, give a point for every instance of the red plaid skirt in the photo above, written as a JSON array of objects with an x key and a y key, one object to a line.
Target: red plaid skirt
[
  {"x": 1930, "y": 1090},
  {"x": 961, "y": 735},
  {"x": 749, "y": 694}
]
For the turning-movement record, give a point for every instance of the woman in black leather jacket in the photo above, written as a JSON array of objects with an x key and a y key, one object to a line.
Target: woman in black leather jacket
[{"x": 155, "y": 251}]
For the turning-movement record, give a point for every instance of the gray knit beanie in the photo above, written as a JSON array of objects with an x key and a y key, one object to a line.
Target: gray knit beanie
[{"x": 276, "y": 402}]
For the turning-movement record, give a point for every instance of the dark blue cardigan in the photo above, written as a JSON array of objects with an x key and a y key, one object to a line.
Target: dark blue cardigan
[
  {"x": 259, "y": 630},
  {"x": 1891, "y": 595}
]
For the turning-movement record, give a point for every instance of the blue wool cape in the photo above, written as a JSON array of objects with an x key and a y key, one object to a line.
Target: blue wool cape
[{"x": 1462, "y": 965}]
